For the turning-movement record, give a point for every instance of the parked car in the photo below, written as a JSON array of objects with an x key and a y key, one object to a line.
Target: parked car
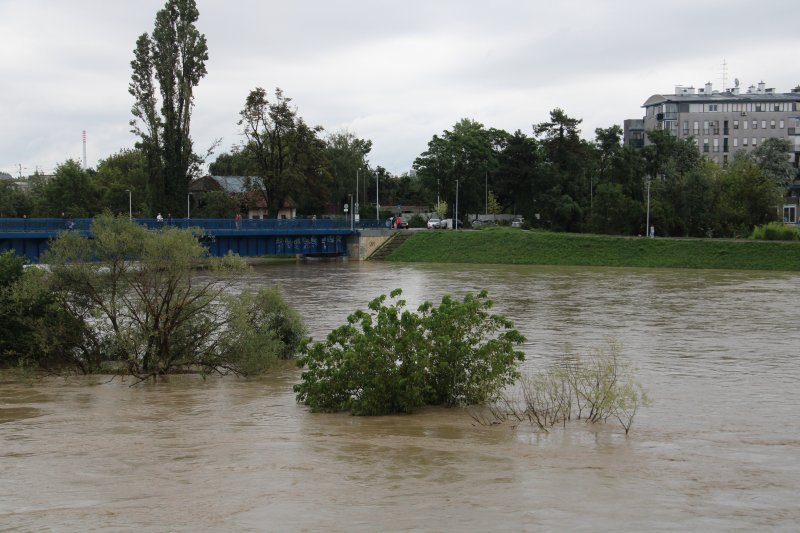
[
  {"x": 518, "y": 222},
  {"x": 482, "y": 222},
  {"x": 434, "y": 223},
  {"x": 401, "y": 223},
  {"x": 448, "y": 223}
]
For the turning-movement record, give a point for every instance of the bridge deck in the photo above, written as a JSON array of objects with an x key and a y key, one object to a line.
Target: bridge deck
[{"x": 250, "y": 237}]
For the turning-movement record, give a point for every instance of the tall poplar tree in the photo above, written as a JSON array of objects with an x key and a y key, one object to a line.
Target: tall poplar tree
[{"x": 172, "y": 62}]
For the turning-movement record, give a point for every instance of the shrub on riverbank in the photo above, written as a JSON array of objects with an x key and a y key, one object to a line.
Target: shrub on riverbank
[
  {"x": 514, "y": 246},
  {"x": 776, "y": 231},
  {"x": 391, "y": 360}
]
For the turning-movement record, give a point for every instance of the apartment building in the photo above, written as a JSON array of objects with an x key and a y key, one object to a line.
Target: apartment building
[{"x": 722, "y": 123}]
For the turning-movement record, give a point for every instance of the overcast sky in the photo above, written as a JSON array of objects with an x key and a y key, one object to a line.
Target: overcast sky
[{"x": 395, "y": 72}]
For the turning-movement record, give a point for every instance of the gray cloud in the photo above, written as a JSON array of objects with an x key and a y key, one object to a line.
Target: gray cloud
[{"x": 394, "y": 72}]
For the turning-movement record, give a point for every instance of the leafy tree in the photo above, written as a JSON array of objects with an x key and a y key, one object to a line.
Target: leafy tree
[
  {"x": 466, "y": 154},
  {"x": 119, "y": 173},
  {"x": 744, "y": 197},
  {"x": 235, "y": 163},
  {"x": 494, "y": 206},
  {"x": 772, "y": 157},
  {"x": 286, "y": 153},
  {"x": 440, "y": 209},
  {"x": 216, "y": 204},
  {"x": 169, "y": 63},
  {"x": 563, "y": 191},
  {"x": 69, "y": 191},
  {"x": 393, "y": 360},
  {"x": 515, "y": 182},
  {"x": 262, "y": 327},
  {"x": 137, "y": 293},
  {"x": 346, "y": 155},
  {"x": 34, "y": 329},
  {"x": 614, "y": 212},
  {"x": 13, "y": 202}
]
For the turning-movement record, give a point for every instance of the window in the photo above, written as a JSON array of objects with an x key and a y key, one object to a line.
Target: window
[
  {"x": 705, "y": 146},
  {"x": 745, "y": 124},
  {"x": 705, "y": 127},
  {"x": 754, "y": 141},
  {"x": 736, "y": 124},
  {"x": 759, "y": 107},
  {"x": 686, "y": 126},
  {"x": 777, "y": 107},
  {"x": 712, "y": 107},
  {"x": 696, "y": 128},
  {"x": 763, "y": 124},
  {"x": 744, "y": 141},
  {"x": 755, "y": 124},
  {"x": 772, "y": 124},
  {"x": 735, "y": 142},
  {"x": 790, "y": 213},
  {"x": 716, "y": 145},
  {"x": 781, "y": 125}
]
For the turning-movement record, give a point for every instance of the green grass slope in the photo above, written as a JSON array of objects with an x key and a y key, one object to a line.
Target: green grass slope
[{"x": 513, "y": 246}]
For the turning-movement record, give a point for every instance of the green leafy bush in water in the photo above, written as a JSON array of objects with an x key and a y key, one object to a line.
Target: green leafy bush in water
[
  {"x": 392, "y": 360},
  {"x": 776, "y": 231},
  {"x": 593, "y": 388},
  {"x": 142, "y": 307}
]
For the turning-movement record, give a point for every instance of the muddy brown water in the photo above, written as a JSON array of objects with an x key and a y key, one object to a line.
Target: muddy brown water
[{"x": 719, "y": 449}]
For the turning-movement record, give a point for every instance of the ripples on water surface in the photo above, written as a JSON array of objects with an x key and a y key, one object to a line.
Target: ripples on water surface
[{"x": 718, "y": 450}]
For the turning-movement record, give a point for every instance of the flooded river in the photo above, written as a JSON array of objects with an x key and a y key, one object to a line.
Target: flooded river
[{"x": 719, "y": 449}]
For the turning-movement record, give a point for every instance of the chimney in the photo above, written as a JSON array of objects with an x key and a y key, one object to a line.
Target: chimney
[{"x": 708, "y": 87}]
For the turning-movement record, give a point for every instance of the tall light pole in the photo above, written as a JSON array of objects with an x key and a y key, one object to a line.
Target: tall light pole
[
  {"x": 130, "y": 204},
  {"x": 188, "y": 209},
  {"x": 455, "y": 220},
  {"x": 647, "y": 224},
  {"x": 377, "y": 203},
  {"x": 355, "y": 207}
]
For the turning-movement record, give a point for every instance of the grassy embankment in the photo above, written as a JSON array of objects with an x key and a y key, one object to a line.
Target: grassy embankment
[{"x": 513, "y": 246}]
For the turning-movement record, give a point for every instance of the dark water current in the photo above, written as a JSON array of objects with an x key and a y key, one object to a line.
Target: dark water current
[{"x": 719, "y": 449}]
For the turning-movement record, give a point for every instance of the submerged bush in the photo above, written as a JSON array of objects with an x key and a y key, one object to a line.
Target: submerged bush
[
  {"x": 133, "y": 300},
  {"x": 593, "y": 388},
  {"x": 392, "y": 360}
]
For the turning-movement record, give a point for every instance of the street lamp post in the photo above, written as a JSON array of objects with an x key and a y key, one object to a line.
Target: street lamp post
[
  {"x": 130, "y": 205},
  {"x": 377, "y": 203},
  {"x": 188, "y": 207},
  {"x": 455, "y": 220},
  {"x": 647, "y": 223}
]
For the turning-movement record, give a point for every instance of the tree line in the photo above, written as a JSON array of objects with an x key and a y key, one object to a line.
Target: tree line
[{"x": 553, "y": 177}]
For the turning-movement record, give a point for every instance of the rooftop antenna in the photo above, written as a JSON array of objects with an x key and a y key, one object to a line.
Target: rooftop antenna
[
  {"x": 724, "y": 75},
  {"x": 84, "y": 149}
]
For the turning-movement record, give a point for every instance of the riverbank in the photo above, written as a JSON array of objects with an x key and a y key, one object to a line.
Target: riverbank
[{"x": 513, "y": 246}]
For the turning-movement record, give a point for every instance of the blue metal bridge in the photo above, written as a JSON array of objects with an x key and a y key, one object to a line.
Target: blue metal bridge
[{"x": 250, "y": 237}]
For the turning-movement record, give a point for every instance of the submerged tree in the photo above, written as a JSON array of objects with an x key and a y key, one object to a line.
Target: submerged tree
[
  {"x": 392, "y": 360},
  {"x": 143, "y": 304},
  {"x": 169, "y": 63}
]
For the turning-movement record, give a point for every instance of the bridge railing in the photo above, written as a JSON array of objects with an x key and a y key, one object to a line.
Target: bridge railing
[{"x": 13, "y": 225}]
